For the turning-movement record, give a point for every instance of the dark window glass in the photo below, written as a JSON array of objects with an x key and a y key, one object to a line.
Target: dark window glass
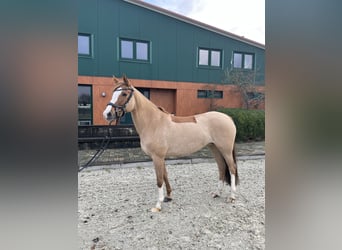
[
  {"x": 84, "y": 104},
  {"x": 145, "y": 92},
  {"x": 201, "y": 93},
  {"x": 218, "y": 94},
  {"x": 209, "y": 94}
]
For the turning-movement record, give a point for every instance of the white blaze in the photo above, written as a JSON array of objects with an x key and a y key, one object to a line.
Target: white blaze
[{"x": 115, "y": 97}]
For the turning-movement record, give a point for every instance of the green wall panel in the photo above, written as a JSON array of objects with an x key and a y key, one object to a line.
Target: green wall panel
[{"x": 174, "y": 44}]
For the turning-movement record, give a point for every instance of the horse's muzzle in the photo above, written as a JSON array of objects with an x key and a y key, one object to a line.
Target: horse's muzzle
[
  {"x": 110, "y": 116},
  {"x": 117, "y": 114}
]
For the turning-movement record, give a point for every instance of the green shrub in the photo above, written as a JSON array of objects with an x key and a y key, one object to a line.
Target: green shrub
[{"x": 250, "y": 124}]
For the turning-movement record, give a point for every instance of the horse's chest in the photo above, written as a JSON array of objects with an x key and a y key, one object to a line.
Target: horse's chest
[{"x": 153, "y": 146}]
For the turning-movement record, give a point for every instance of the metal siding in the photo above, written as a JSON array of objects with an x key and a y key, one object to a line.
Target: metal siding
[
  {"x": 186, "y": 64},
  {"x": 166, "y": 52},
  {"x": 174, "y": 44},
  {"x": 87, "y": 23}
]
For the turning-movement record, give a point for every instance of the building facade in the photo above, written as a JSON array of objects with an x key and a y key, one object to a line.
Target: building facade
[{"x": 178, "y": 63}]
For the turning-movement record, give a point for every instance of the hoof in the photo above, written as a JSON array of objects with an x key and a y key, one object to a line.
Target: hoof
[
  {"x": 231, "y": 200},
  {"x": 167, "y": 199},
  {"x": 215, "y": 195},
  {"x": 155, "y": 210}
]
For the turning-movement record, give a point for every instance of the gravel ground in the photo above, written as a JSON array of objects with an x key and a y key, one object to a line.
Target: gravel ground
[{"x": 114, "y": 209}]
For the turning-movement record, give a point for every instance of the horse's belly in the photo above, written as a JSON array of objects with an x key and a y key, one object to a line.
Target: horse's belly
[
  {"x": 185, "y": 144},
  {"x": 183, "y": 150}
]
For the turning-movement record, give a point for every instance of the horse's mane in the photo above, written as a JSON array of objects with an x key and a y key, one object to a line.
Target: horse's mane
[
  {"x": 177, "y": 119},
  {"x": 162, "y": 109}
]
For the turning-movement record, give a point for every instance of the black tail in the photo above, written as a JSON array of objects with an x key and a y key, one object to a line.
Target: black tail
[{"x": 227, "y": 173}]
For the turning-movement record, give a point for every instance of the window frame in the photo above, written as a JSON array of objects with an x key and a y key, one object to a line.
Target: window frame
[
  {"x": 209, "y": 53},
  {"x": 135, "y": 50},
  {"x": 205, "y": 93},
  {"x": 79, "y": 121},
  {"x": 243, "y": 60},
  {"x": 90, "y": 36}
]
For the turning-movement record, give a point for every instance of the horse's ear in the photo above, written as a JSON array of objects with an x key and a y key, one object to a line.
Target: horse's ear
[
  {"x": 125, "y": 79},
  {"x": 115, "y": 80}
]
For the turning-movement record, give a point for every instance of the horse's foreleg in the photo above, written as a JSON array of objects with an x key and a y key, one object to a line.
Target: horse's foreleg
[{"x": 159, "y": 166}]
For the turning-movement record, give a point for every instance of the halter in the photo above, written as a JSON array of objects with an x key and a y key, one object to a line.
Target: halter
[{"x": 121, "y": 107}]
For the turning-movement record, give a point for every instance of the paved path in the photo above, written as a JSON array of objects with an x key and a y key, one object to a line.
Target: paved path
[{"x": 112, "y": 158}]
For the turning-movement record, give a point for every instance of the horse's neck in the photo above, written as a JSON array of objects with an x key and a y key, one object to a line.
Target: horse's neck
[{"x": 143, "y": 113}]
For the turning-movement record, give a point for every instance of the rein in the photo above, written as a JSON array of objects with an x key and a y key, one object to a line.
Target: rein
[
  {"x": 107, "y": 138},
  {"x": 104, "y": 144}
]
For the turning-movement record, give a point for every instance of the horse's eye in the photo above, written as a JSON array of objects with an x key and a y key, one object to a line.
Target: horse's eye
[{"x": 124, "y": 94}]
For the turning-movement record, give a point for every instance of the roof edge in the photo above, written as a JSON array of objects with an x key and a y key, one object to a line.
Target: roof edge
[{"x": 195, "y": 22}]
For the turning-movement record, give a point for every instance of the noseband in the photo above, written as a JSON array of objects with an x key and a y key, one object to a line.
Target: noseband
[{"x": 121, "y": 107}]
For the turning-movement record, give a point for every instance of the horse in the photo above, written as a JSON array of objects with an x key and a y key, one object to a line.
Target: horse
[{"x": 163, "y": 134}]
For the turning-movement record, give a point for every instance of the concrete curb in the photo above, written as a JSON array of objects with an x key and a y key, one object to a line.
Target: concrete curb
[{"x": 143, "y": 164}]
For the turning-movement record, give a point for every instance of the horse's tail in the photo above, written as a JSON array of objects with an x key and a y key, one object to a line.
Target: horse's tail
[{"x": 227, "y": 172}]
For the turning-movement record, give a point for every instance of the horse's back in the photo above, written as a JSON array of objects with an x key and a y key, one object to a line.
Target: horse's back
[{"x": 215, "y": 118}]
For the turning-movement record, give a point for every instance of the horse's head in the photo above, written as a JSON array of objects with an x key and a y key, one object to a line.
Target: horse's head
[{"x": 121, "y": 101}]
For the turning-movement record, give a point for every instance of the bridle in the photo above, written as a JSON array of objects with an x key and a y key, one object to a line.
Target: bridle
[{"x": 117, "y": 107}]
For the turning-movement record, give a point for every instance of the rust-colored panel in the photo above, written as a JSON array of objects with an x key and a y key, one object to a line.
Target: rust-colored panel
[
  {"x": 165, "y": 98},
  {"x": 179, "y": 98}
]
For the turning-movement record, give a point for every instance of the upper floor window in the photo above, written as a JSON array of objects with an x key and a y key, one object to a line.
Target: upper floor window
[
  {"x": 243, "y": 60},
  {"x": 84, "y": 44},
  {"x": 135, "y": 50},
  {"x": 209, "y": 57}
]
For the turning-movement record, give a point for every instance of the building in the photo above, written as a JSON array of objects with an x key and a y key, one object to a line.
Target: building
[{"x": 177, "y": 62}]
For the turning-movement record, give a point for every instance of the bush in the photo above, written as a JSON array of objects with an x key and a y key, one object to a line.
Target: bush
[{"x": 250, "y": 124}]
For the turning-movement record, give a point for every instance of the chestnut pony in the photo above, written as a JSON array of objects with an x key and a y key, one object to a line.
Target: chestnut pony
[{"x": 162, "y": 135}]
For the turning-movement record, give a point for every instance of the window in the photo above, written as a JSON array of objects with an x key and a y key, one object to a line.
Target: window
[
  {"x": 134, "y": 50},
  {"x": 142, "y": 51},
  {"x": 209, "y": 57},
  {"x": 203, "y": 57},
  {"x": 209, "y": 94},
  {"x": 201, "y": 93},
  {"x": 84, "y": 105},
  {"x": 127, "y": 49},
  {"x": 243, "y": 60},
  {"x": 218, "y": 94},
  {"x": 145, "y": 92},
  {"x": 215, "y": 58},
  {"x": 237, "y": 60},
  {"x": 248, "y": 62},
  {"x": 255, "y": 95},
  {"x": 84, "y": 44}
]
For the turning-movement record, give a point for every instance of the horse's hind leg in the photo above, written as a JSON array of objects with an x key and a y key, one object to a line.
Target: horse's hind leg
[
  {"x": 167, "y": 185},
  {"x": 233, "y": 173},
  {"x": 221, "y": 167}
]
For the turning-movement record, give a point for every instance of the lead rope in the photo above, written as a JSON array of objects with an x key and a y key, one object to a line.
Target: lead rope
[{"x": 104, "y": 144}]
